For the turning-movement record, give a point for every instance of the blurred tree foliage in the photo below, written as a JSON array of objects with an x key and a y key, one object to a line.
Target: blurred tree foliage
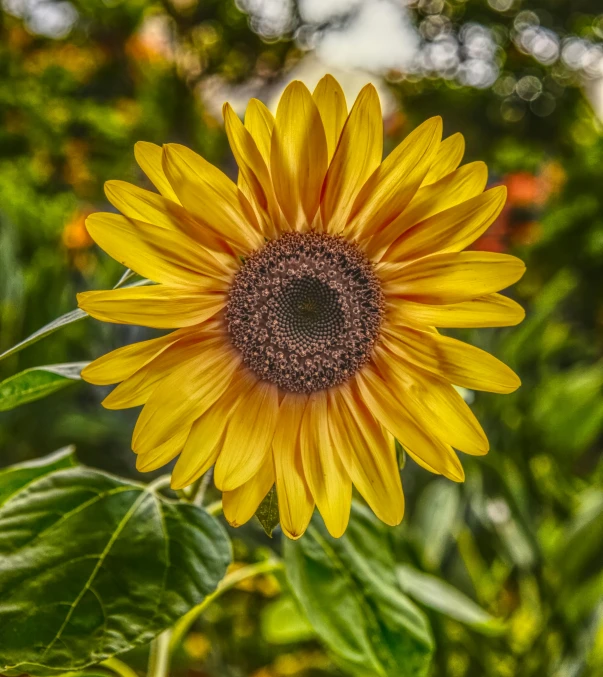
[{"x": 523, "y": 537}]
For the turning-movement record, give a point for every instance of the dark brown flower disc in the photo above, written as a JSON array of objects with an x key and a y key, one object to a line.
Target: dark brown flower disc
[{"x": 305, "y": 311}]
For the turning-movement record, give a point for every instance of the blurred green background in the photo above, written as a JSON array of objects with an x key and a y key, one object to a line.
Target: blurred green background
[{"x": 82, "y": 80}]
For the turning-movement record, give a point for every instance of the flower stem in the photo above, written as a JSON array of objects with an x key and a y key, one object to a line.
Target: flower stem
[
  {"x": 119, "y": 667},
  {"x": 228, "y": 582},
  {"x": 200, "y": 494},
  {"x": 214, "y": 508},
  {"x": 159, "y": 658}
]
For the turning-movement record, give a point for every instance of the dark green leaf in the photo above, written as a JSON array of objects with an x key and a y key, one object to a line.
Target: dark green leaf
[
  {"x": 17, "y": 477},
  {"x": 93, "y": 566},
  {"x": 440, "y": 596},
  {"x": 582, "y": 542},
  {"x": 50, "y": 328},
  {"x": 37, "y": 382},
  {"x": 348, "y": 589},
  {"x": 267, "y": 512}
]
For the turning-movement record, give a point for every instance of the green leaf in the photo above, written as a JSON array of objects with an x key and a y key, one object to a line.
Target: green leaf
[
  {"x": 347, "y": 587},
  {"x": 440, "y": 596},
  {"x": 283, "y": 622},
  {"x": 434, "y": 520},
  {"x": 582, "y": 541},
  {"x": 267, "y": 512},
  {"x": 400, "y": 455},
  {"x": 93, "y": 566},
  {"x": 50, "y": 328},
  {"x": 16, "y": 477},
  {"x": 68, "y": 318},
  {"x": 37, "y": 382}
]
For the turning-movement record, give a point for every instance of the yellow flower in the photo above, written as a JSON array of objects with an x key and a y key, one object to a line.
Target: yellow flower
[{"x": 305, "y": 301}]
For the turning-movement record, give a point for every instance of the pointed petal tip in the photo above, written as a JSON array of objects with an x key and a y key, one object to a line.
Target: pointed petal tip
[
  {"x": 175, "y": 484},
  {"x": 227, "y": 109},
  {"x": 327, "y": 77},
  {"x": 293, "y": 535},
  {"x": 392, "y": 520}
]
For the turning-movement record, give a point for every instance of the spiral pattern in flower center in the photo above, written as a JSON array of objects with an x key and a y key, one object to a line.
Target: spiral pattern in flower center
[{"x": 305, "y": 311}]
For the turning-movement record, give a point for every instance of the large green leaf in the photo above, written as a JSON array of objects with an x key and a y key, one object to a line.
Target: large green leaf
[
  {"x": 17, "y": 477},
  {"x": 93, "y": 565},
  {"x": 349, "y": 592},
  {"x": 440, "y": 596},
  {"x": 37, "y": 382}
]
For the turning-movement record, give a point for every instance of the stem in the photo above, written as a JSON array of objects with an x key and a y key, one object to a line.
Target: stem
[
  {"x": 162, "y": 482},
  {"x": 228, "y": 582},
  {"x": 214, "y": 508},
  {"x": 119, "y": 667},
  {"x": 202, "y": 488},
  {"x": 124, "y": 278},
  {"x": 159, "y": 658}
]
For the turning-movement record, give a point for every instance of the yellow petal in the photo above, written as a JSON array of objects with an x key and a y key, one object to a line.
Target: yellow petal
[
  {"x": 148, "y": 155},
  {"x": 240, "y": 504},
  {"x": 448, "y": 158},
  {"x": 136, "y": 389},
  {"x": 211, "y": 197},
  {"x": 393, "y": 184},
  {"x": 121, "y": 363},
  {"x": 254, "y": 172},
  {"x": 163, "y": 454},
  {"x": 156, "y": 253},
  {"x": 248, "y": 436},
  {"x": 185, "y": 395},
  {"x": 461, "y": 185},
  {"x": 433, "y": 402},
  {"x": 390, "y": 409},
  {"x": 298, "y": 156},
  {"x": 493, "y": 310},
  {"x": 260, "y": 123},
  {"x": 451, "y": 230},
  {"x": 333, "y": 109},
  {"x": 455, "y": 361},
  {"x": 357, "y": 156},
  {"x": 327, "y": 478},
  {"x": 157, "y": 306},
  {"x": 204, "y": 441},
  {"x": 368, "y": 453},
  {"x": 143, "y": 205},
  {"x": 295, "y": 501},
  {"x": 451, "y": 278}
]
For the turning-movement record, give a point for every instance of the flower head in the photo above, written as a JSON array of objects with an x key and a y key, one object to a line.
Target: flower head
[{"x": 305, "y": 301}]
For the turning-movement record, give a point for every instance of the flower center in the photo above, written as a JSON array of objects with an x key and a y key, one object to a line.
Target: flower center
[{"x": 305, "y": 311}]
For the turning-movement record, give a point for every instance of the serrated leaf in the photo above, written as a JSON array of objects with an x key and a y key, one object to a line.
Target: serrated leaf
[
  {"x": 50, "y": 328},
  {"x": 440, "y": 596},
  {"x": 267, "y": 512},
  {"x": 37, "y": 382},
  {"x": 347, "y": 588},
  {"x": 93, "y": 566},
  {"x": 16, "y": 477}
]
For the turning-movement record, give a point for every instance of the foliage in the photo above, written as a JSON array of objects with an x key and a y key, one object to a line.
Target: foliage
[{"x": 500, "y": 576}]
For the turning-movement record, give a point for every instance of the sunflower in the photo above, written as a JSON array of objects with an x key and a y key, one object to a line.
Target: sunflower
[{"x": 305, "y": 300}]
